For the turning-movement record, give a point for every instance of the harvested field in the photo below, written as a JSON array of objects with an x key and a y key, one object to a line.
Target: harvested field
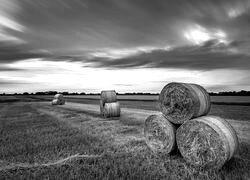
[
  {"x": 228, "y": 110},
  {"x": 74, "y": 141}
]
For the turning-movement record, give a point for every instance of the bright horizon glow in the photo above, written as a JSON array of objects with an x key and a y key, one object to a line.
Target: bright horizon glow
[{"x": 73, "y": 77}]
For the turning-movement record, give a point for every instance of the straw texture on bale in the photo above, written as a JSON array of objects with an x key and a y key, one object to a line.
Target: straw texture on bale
[
  {"x": 180, "y": 102},
  {"x": 54, "y": 102},
  {"x": 159, "y": 134},
  {"x": 112, "y": 109},
  {"x": 58, "y": 96},
  {"x": 101, "y": 107},
  {"x": 207, "y": 141},
  {"x": 108, "y": 96},
  {"x": 58, "y": 102}
]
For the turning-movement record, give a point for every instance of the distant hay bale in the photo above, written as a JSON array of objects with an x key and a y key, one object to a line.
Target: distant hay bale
[
  {"x": 112, "y": 109},
  {"x": 54, "y": 102},
  {"x": 180, "y": 102},
  {"x": 108, "y": 96},
  {"x": 62, "y": 102},
  {"x": 58, "y": 102},
  {"x": 207, "y": 141},
  {"x": 159, "y": 134},
  {"x": 58, "y": 96}
]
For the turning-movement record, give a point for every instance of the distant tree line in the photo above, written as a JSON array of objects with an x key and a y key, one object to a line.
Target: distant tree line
[
  {"x": 138, "y": 93},
  {"x": 226, "y": 93},
  {"x": 231, "y": 93},
  {"x": 55, "y": 92}
]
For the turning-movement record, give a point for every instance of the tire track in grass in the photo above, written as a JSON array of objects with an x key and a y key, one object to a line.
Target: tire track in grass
[
  {"x": 87, "y": 118},
  {"x": 134, "y": 117},
  {"x": 28, "y": 137},
  {"x": 6, "y": 166}
]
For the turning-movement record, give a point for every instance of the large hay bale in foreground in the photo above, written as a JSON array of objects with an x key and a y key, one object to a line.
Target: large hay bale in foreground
[
  {"x": 58, "y": 102},
  {"x": 108, "y": 96},
  {"x": 112, "y": 109},
  {"x": 207, "y": 141},
  {"x": 58, "y": 96},
  {"x": 180, "y": 102},
  {"x": 159, "y": 134}
]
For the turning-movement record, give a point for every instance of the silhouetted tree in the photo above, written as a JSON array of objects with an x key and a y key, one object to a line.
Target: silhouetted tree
[{"x": 65, "y": 93}]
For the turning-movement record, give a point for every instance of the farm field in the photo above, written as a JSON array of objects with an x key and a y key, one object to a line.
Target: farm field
[
  {"x": 229, "y": 109},
  {"x": 228, "y": 99},
  {"x": 239, "y": 99},
  {"x": 38, "y": 140},
  {"x": 124, "y": 90},
  {"x": 226, "y": 110},
  {"x": 225, "y": 99}
]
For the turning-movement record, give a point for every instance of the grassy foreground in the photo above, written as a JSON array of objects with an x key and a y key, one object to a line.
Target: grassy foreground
[{"x": 33, "y": 134}]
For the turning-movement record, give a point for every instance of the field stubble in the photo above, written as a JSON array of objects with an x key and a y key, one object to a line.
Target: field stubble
[{"x": 35, "y": 133}]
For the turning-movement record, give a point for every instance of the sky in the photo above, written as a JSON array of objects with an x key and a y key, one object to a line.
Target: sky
[{"x": 126, "y": 45}]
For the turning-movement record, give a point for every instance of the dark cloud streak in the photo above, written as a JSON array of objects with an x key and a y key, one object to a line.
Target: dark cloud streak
[
  {"x": 209, "y": 56},
  {"x": 4, "y": 82},
  {"x": 9, "y": 69},
  {"x": 15, "y": 52}
]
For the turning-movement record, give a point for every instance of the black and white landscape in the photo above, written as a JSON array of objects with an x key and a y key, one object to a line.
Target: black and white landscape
[{"x": 79, "y": 48}]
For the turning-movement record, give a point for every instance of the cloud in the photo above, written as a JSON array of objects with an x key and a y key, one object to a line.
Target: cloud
[
  {"x": 14, "y": 52},
  {"x": 210, "y": 55},
  {"x": 68, "y": 25},
  {"x": 123, "y": 84},
  {"x": 4, "y": 68},
  {"x": 197, "y": 34},
  {"x": 114, "y": 53},
  {"x": 4, "y": 82},
  {"x": 83, "y": 37},
  {"x": 6, "y": 37},
  {"x": 8, "y": 23},
  {"x": 10, "y": 29}
]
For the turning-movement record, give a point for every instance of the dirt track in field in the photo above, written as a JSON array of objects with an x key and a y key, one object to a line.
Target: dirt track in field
[
  {"x": 125, "y": 132},
  {"x": 85, "y": 116}
]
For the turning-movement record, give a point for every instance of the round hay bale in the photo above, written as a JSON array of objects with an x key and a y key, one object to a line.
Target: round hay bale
[
  {"x": 159, "y": 134},
  {"x": 180, "y": 102},
  {"x": 58, "y": 96},
  {"x": 112, "y": 109},
  {"x": 61, "y": 102},
  {"x": 108, "y": 96},
  {"x": 58, "y": 102},
  {"x": 54, "y": 102},
  {"x": 207, "y": 141}
]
